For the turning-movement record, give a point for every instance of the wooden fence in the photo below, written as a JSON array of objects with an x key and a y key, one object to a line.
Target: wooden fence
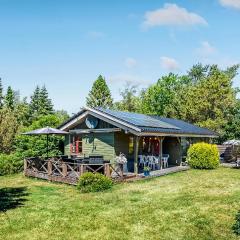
[{"x": 57, "y": 170}]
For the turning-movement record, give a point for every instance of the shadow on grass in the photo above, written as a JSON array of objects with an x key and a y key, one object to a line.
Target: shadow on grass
[{"x": 11, "y": 198}]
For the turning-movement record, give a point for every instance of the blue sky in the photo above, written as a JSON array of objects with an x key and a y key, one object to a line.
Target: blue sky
[{"x": 67, "y": 44}]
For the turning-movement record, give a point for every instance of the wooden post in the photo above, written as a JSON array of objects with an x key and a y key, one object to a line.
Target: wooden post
[
  {"x": 160, "y": 139},
  {"x": 49, "y": 167},
  {"x": 136, "y": 147},
  {"x": 64, "y": 169},
  {"x": 25, "y": 166},
  {"x": 121, "y": 167},
  {"x": 81, "y": 169},
  {"x": 107, "y": 170}
]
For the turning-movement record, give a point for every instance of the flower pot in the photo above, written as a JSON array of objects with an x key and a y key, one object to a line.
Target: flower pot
[{"x": 146, "y": 173}]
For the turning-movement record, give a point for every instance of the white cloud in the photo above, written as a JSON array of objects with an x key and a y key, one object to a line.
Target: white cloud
[
  {"x": 130, "y": 62},
  {"x": 169, "y": 64},
  {"x": 172, "y": 14},
  {"x": 230, "y": 3},
  {"x": 206, "y": 49}
]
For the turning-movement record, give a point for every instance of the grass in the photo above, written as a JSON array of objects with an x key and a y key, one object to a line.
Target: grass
[{"x": 195, "y": 204}]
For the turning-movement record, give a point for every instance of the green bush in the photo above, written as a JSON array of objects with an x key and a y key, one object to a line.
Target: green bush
[
  {"x": 236, "y": 226},
  {"x": 10, "y": 164},
  {"x": 94, "y": 182},
  {"x": 203, "y": 156}
]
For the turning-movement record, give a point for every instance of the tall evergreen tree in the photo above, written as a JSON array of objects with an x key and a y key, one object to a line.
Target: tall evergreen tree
[
  {"x": 100, "y": 95},
  {"x": 9, "y": 98},
  {"x": 34, "y": 104},
  {"x": 45, "y": 103},
  {"x": 40, "y": 103},
  {"x": 1, "y": 94}
]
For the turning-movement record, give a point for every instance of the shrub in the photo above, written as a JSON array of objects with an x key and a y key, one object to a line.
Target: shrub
[
  {"x": 236, "y": 226},
  {"x": 203, "y": 156},
  {"x": 94, "y": 182},
  {"x": 10, "y": 164}
]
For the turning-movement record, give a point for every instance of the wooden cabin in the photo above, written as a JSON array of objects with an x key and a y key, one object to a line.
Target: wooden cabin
[{"x": 107, "y": 133}]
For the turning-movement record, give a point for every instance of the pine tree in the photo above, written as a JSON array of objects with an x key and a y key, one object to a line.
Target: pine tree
[
  {"x": 1, "y": 94},
  {"x": 100, "y": 95},
  {"x": 34, "y": 104},
  {"x": 45, "y": 103},
  {"x": 9, "y": 98}
]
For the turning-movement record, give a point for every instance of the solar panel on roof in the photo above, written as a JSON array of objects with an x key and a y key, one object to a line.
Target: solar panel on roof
[{"x": 139, "y": 119}]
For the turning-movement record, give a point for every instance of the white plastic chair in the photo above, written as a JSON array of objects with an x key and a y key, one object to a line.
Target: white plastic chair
[
  {"x": 165, "y": 158},
  {"x": 151, "y": 162},
  {"x": 141, "y": 160}
]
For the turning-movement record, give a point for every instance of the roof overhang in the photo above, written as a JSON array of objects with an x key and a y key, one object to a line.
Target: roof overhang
[
  {"x": 119, "y": 124},
  {"x": 101, "y": 130},
  {"x": 159, "y": 134},
  {"x": 98, "y": 114}
]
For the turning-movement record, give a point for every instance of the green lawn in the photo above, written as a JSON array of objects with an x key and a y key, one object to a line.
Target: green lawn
[{"x": 188, "y": 205}]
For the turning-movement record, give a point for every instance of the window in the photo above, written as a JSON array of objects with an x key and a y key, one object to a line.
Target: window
[{"x": 76, "y": 144}]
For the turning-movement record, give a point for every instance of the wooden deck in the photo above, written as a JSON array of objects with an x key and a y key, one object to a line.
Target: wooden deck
[
  {"x": 159, "y": 173},
  {"x": 167, "y": 171},
  {"x": 57, "y": 170}
]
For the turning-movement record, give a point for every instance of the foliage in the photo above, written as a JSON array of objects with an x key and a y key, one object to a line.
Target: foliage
[
  {"x": 146, "y": 169},
  {"x": 1, "y": 94},
  {"x": 62, "y": 115},
  {"x": 159, "y": 97},
  {"x": 208, "y": 102},
  {"x": 231, "y": 130},
  {"x": 9, "y": 99},
  {"x": 205, "y": 96},
  {"x": 9, "y": 127},
  {"x": 22, "y": 112},
  {"x": 40, "y": 103},
  {"x": 236, "y": 226},
  {"x": 130, "y": 101},
  {"x": 45, "y": 103},
  {"x": 198, "y": 72},
  {"x": 30, "y": 146},
  {"x": 10, "y": 163},
  {"x": 34, "y": 103},
  {"x": 94, "y": 182},
  {"x": 100, "y": 95},
  {"x": 203, "y": 156}
]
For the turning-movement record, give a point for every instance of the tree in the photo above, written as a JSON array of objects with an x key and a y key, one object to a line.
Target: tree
[
  {"x": 232, "y": 128},
  {"x": 27, "y": 146},
  {"x": 45, "y": 103},
  {"x": 62, "y": 115},
  {"x": 22, "y": 112},
  {"x": 197, "y": 72},
  {"x": 130, "y": 101},
  {"x": 40, "y": 103},
  {"x": 9, "y": 99},
  {"x": 1, "y": 94},
  {"x": 8, "y": 130},
  {"x": 208, "y": 102},
  {"x": 34, "y": 104},
  {"x": 158, "y": 97},
  {"x": 100, "y": 95}
]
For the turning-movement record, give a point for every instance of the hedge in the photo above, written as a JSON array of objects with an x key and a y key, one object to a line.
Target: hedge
[
  {"x": 203, "y": 156},
  {"x": 94, "y": 182},
  {"x": 10, "y": 164}
]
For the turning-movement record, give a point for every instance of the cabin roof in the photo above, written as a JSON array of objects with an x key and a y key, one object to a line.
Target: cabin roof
[{"x": 147, "y": 123}]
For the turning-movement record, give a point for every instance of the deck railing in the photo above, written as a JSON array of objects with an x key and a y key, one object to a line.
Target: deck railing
[{"x": 58, "y": 170}]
